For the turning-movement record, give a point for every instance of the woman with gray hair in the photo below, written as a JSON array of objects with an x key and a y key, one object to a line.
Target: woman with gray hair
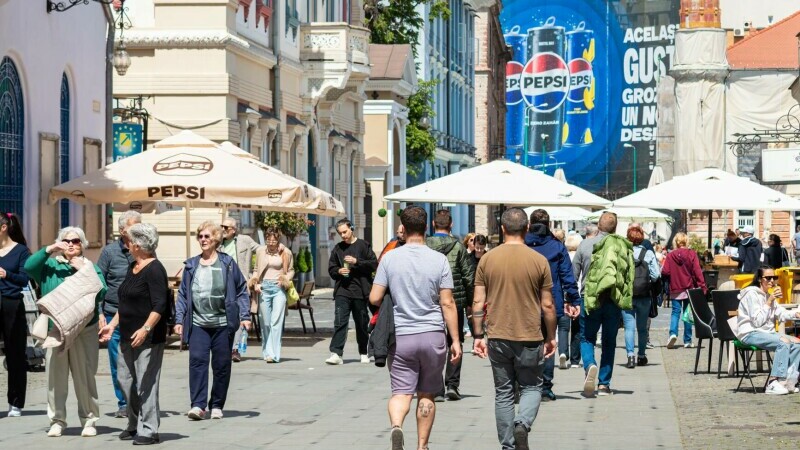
[
  {"x": 142, "y": 319},
  {"x": 80, "y": 359}
]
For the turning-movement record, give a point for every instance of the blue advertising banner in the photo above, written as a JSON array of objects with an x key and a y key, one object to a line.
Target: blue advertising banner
[
  {"x": 127, "y": 140},
  {"x": 581, "y": 90}
]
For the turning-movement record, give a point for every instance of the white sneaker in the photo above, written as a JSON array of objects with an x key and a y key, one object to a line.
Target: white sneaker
[
  {"x": 216, "y": 413},
  {"x": 334, "y": 360},
  {"x": 689, "y": 345},
  {"x": 776, "y": 388},
  {"x": 672, "y": 340},
  {"x": 364, "y": 359},
  {"x": 589, "y": 384},
  {"x": 89, "y": 431},
  {"x": 55, "y": 430},
  {"x": 14, "y": 412},
  {"x": 562, "y": 362}
]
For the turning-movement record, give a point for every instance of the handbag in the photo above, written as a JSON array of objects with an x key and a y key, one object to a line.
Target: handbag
[
  {"x": 653, "y": 308},
  {"x": 785, "y": 258},
  {"x": 292, "y": 296}
]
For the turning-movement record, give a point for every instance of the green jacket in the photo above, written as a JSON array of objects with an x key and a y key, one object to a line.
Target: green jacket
[
  {"x": 610, "y": 273},
  {"x": 460, "y": 264},
  {"x": 49, "y": 273}
]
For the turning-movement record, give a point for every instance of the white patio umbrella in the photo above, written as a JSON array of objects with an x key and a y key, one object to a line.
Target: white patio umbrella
[
  {"x": 197, "y": 174},
  {"x": 657, "y": 177},
  {"x": 562, "y": 213},
  {"x": 633, "y": 214},
  {"x": 500, "y": 182}
]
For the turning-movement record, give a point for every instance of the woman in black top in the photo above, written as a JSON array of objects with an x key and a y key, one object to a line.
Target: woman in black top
[
  {"x": 774, "y": 253},
  {"x": 13, "y": 326},
  {"x": 142, "y": 319}
]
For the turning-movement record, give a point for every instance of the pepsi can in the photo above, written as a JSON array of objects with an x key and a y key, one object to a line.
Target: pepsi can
[
  {"x": 545, "y": 85},
  {"x": 579, "y": 108},
  {"x": 515, "y": 107}
]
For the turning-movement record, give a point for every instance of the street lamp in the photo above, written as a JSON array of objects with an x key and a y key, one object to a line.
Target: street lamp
[
  {"x": 630, "y": 146},
  {"x": 62, "y": 6},
  {"x": 544, "y": 137},
  {"x": 121, "y": 60}
]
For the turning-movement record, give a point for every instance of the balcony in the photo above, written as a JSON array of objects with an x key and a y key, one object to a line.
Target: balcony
[{"x": 332, "y": 54}]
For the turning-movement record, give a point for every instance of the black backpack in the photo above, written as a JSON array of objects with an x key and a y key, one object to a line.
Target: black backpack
[{"x": 641, "y": 276}]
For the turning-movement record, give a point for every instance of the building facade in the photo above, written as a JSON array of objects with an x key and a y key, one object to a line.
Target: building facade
[
  {"x": 283, "y": 80},
  {"x": 52, "y": 113},
  {"x": 446, "y": 53},
  {"x": 492, "y": 55}
]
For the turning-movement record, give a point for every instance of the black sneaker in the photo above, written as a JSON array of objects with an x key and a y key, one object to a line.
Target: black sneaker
[
  {"x": 439, "y": 398},
  {"x": 641, "y": 361},
  {"x": 548, "y": 395},
  {"x": 631, "y": 362},
  {"x": 141, "y": 440},
  {"x": 397, "y": 438},
  {"x": 127, "y": 435},
  {"x": 453, "y": 394},
  {"x": 521, "y": 437}
]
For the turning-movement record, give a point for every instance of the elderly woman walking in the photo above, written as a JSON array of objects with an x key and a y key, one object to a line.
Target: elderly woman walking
[
  {"x": 274, "y": 272},
  {"x": 142, "y": 319},
  {"x": 212, "y": 304},
  {"x": 79, "y": 360}
]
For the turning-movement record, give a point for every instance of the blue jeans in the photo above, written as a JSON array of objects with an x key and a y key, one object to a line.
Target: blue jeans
[
  {"x": 521, "y": 363},
  {"x": 562, "y": 325},
  {"x": 678, "y": 306},
  {"x": 636, "y": 324},
  {"x": 113, "y": 354},
  {"x": 786, "y": 355},
  {"x": 608, "y": 316},
  {"x": 272, "y": 313}
]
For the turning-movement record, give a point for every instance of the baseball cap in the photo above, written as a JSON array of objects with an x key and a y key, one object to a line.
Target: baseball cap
[{"x": 748, "y": 229}]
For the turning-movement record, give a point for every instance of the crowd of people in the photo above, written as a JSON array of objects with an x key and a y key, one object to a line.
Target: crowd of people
[{"x": 543, "y": 298}]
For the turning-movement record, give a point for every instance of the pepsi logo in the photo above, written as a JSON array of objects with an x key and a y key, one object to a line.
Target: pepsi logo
[
  {"x": 513, "y": 73},
  {"x": 580, "y": 78},
  {"x": 545, "y": 82}
]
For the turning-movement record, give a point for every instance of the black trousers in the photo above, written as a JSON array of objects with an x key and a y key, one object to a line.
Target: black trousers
[
  {"x": 341, "y": 320},
  {"x": 452, "y": 372},
  {"x": 15, "y": 339},
  {"x": 210, "y": 346}
]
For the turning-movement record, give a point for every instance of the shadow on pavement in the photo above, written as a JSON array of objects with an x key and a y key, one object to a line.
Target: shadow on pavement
[
  {"x": 26, "y": 412},
  {"x": 245, "y": 414}
]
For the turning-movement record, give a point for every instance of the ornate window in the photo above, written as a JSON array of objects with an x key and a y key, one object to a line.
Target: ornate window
[
  {"x": 264, "y": 11},
  {"x": 64, "y": 150},
  {"x": 12, "y": 127}
]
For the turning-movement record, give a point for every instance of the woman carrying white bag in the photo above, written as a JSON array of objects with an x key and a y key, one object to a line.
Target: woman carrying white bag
[{"x": 71, "y": 294}]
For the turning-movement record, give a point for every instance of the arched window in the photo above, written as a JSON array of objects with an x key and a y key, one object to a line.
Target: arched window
[
  {"x": 64, "y": 151},
  {"x": 12, "y": 127}
]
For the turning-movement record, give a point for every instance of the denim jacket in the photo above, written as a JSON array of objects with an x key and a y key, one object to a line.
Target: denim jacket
[{"x": 237, "y": 299}]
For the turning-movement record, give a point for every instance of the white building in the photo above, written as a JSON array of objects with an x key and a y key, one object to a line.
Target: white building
[{"x": 52, "y": 112}]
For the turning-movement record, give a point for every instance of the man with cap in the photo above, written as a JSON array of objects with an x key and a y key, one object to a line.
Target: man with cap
[{"x": 750, "y": 250}]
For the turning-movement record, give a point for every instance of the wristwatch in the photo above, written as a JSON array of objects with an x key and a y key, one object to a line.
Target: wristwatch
[{"x": 147, "y": 328}]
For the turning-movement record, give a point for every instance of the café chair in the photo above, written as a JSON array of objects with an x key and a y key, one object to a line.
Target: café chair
[
  {"x": 704, "y": 324},
  {"x": 726, "y": 305}
]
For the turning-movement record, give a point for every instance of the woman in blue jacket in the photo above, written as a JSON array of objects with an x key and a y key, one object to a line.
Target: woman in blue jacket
[
  {"x": 541, "y": 240},
  {"x": 213, "y": 303}
]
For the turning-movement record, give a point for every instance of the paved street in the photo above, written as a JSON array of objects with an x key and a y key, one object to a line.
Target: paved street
[{"x": 302, "y": 403}]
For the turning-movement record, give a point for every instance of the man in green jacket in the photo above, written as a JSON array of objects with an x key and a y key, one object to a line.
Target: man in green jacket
[{"x": 463, "y": 281}]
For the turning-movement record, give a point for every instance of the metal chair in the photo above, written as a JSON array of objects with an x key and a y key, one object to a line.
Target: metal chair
[
  {"x": 747, "y": 352},
  {"x": 306, "y": 294},
  {"x": 725, "y": 303},
  {"x": 704, "y": 324}
]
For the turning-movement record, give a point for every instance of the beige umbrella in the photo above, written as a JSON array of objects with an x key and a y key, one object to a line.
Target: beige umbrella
[{"x": 231, "y": 149}]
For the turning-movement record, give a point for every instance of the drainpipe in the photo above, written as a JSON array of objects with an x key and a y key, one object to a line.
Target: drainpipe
[
  {"x": 277, "y": 96},
  {"x": 109, "y": 226}
]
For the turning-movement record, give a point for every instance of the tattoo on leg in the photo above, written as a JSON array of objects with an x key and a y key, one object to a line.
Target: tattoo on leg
[{"x": 425, "y": 409}]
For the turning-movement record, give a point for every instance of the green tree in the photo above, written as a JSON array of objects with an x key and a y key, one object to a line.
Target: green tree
[
  {"x": 399, "y": 22},
  {"x": 288, "y": 224}
]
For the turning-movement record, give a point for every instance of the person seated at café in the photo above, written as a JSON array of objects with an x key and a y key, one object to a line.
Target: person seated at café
[{"x": 756, "y": 316}]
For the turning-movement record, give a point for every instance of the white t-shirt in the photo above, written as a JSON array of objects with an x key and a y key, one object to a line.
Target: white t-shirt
[{"x": 414, "y": 274}]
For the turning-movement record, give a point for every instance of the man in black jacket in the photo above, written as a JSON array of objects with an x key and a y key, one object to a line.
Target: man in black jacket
[
  {"x": 750, "y": 250},
  {"x": 351, "y": 266}
]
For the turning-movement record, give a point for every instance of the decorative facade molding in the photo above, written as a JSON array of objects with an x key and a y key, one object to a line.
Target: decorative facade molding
[{"x": 200, "y": 39}]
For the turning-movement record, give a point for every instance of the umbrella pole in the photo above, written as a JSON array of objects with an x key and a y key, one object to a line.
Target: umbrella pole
[
  {"x": 224, "y": 211},
  {"x": 500, "y": 224},
  {"x": 188, "y": 230},
  {"x": 709, "y": 228}
]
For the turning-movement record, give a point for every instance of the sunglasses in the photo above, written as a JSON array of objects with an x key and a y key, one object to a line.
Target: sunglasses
[
  {"x": 203, "y": 236},
  {"x": 72, "y": 241},
  {"x": 226, "y": 227},
  {"x": 771, "y": 278}
]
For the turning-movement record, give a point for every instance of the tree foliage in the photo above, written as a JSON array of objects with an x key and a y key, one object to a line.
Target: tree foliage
[
  {"x": 288, "y": 224},
  {"x": 399, "y": 22}
]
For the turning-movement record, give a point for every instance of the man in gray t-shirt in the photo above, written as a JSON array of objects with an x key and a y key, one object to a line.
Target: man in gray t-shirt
[{"x": 421, "y": 285}]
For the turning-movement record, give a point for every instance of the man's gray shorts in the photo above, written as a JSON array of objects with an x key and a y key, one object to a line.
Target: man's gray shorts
[{"x": 416, "y": 362}]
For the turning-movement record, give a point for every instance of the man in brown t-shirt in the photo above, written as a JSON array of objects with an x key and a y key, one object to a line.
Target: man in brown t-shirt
[{"x": 515, "y": 284}]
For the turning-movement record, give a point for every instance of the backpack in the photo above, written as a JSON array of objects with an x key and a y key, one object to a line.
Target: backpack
[{"x": 641, "y": 276}]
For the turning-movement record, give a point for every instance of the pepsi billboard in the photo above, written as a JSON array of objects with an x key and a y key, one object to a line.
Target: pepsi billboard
[{"x": 581, "y": 89}]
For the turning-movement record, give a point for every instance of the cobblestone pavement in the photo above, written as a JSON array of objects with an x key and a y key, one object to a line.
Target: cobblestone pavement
[{"x": 712, "y": 415}]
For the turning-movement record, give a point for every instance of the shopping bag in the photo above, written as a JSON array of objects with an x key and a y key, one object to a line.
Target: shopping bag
[
  {"x": 292, "y": 296},
  {"x": 688, "y": 317}
]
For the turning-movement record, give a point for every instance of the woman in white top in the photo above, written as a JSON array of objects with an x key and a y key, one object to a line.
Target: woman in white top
[
  {"x": 757, "y": 313},
  {"x": 274, "y": 272}
]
